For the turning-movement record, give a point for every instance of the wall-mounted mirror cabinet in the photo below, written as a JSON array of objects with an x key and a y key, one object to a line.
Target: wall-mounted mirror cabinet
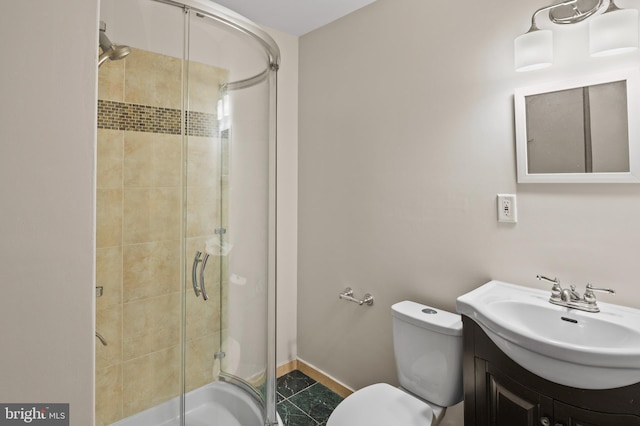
[{"x": 579, "y": 130}]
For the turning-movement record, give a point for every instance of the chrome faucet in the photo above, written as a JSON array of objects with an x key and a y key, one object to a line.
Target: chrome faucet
[
  {"x": 570, "y": 294},
  {"x": 570, "y": 298}
]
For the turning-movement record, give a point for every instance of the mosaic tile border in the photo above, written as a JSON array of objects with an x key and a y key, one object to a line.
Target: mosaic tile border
[
  {"x": 144, "y": 118},
  {"x": 201, "y": 124}
]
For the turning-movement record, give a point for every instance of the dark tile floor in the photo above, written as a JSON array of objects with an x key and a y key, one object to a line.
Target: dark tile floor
[{"x": 304, "y": 402}]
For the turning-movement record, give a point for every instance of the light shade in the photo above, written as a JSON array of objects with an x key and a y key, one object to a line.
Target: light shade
[
  {"x": 534, "y": 50},
  {"x": 613, "y": 32}
]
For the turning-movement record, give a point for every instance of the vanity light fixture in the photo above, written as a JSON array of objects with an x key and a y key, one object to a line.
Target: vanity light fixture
[
  {"x": 615, "y": 31},
  {"x": 611, "y": 31},
  {"x": 534, "y": 49}
]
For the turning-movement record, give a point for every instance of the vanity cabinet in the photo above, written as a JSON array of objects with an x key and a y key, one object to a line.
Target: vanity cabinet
[{"x": 498, "y": 392}]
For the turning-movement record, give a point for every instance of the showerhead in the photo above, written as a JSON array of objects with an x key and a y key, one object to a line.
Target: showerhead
[
  {"x": 110, "y": 51},
  {"x": 119, "y": 52}
]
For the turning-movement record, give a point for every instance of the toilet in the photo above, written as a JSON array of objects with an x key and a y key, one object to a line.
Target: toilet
[{"x": 427, "y": 343}]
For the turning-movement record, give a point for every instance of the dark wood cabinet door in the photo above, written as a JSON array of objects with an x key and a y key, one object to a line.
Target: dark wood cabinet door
[
  {"x": 567, "y": 415},
  {"x": 499, "y": 392},
  {"x": 511, "y": 404}
]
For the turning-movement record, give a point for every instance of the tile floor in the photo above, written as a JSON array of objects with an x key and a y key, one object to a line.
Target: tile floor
[{"x": 304, "y": 402}]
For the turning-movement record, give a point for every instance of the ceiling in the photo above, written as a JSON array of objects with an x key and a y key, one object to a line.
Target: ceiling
[{"x": 295, "y": 17}]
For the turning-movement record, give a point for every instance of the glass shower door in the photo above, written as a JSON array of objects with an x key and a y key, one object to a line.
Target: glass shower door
[
  {"x": 185, "y": 218},
  {"x": 140, "y": 213},
  {"x": 204, "y": 230},
  {"x": 230, "y": 337}
]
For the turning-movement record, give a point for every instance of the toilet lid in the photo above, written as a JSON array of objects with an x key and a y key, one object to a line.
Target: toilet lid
[{"x": 381, "y": 404}]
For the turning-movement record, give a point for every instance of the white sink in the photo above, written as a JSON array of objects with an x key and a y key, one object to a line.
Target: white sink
[{"x": 574, "y": 348}]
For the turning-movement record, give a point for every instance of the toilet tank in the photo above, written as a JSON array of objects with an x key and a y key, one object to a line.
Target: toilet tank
[{"x": 427, "y": 343}]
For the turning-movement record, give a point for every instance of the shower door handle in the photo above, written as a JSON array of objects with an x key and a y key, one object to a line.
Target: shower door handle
[
  {"x": 205, "y": 296},
  {"x": 194, "y": 273}
]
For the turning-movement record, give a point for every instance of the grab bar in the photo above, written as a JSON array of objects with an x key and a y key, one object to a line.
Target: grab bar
[
  {"x": 194, "y": 273},
  {"x": 347, "y": 294}
]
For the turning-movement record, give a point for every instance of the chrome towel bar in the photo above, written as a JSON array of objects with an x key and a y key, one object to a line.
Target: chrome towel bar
[{"x": 347, "y": 294}]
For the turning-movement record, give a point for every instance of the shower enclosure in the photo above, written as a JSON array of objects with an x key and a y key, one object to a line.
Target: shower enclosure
[{"x": 185, "y": 307}]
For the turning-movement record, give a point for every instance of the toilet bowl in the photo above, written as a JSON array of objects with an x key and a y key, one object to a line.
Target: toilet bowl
[
  {"x": 383, "y": 404},
  {"x": 428, "y": 349}
]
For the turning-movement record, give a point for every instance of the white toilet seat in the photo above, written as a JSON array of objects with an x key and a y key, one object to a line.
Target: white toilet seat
[{"x": 381, "y": 405}]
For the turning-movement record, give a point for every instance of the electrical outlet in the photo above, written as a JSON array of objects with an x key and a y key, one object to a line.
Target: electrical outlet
[{"x": 507, "y": 210}]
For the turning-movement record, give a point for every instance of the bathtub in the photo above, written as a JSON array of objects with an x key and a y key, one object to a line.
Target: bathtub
[{"x": 218, "y": 403}]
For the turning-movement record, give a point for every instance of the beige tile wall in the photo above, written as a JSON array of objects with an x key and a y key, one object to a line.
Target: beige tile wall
[{"x": 140, "y": 199}]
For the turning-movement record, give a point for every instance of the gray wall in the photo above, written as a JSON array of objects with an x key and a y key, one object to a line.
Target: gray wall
[
  {"x": 287, "y": 196},
  {"x": 406, "y": 136},
  {"x": 47, "y": 185}
]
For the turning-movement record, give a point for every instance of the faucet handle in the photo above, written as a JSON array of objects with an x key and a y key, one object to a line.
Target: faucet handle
[
  {"x": 591, "y": 288},
  {"x": 542, "y": 277},
  {"x": 589, "y": 297},
  {"x": 556, "y": 290}
]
